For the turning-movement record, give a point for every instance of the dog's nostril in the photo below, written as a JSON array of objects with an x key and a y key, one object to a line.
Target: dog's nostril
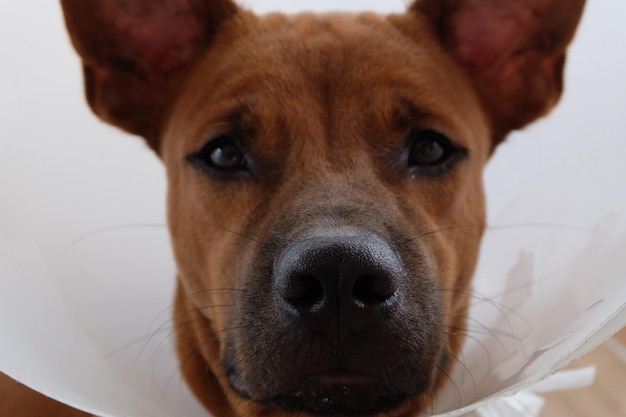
[
  {"x": 304, "y": 290},
  {"x": 372, "y": 289}
]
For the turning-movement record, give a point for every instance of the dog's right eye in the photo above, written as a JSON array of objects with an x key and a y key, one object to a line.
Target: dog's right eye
[
  {"x": 431, "y": 153},
  {"x": 221, "y": 155}
]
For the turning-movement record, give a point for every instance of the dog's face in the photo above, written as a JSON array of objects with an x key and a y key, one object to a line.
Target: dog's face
[
  {"x": 326, "y": 207},
  {"x": 325, "y": 195}
]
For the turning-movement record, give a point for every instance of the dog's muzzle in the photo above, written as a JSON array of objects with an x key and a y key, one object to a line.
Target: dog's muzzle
[{"x": 336, "y": 321}]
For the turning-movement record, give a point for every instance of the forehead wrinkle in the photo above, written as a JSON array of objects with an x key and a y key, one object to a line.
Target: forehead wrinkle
[
  {"x": 242, "y": 118},
  {"x": 407, "y": 112}
]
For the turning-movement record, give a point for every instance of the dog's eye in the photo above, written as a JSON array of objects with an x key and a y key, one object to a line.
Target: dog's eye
[
  {"x": 429, "y": 148},
  {"x": 220, "y": 155},
  {"x": 431, "y": 152},
  {"x": 224, "y": 156}
]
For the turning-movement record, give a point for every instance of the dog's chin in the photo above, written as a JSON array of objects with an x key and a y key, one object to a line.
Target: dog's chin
[
  {"x": 340, "y": 395},
  {"x": 335, "y": 393}
]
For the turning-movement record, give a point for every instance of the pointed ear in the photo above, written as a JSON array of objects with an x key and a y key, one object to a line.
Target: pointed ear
[
  {"x": 514, "y": 50},
  {"x": 135, "y": 53}
]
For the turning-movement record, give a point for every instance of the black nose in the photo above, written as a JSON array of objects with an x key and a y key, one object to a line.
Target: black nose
[{"x": 338, "y": 283}]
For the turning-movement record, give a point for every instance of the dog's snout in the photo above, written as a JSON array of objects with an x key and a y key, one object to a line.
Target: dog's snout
[{"x": 338, "y": 284}]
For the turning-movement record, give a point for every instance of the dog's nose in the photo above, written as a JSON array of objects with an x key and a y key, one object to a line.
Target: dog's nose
[{"x": 338, "y": 284}]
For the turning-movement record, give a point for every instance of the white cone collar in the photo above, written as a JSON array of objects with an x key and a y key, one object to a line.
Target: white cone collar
[{"x": 85, "y": 312}]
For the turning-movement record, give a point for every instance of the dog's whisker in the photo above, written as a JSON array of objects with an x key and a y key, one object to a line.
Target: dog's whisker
[
  {"x": 465, "y": 368},
  {"x": 234, "y": 232},
  {"x": 483, "y": 332},
  {"x": 102, "y": 230},
  {"x": 487, "y": 329},
  {"x": 207, "y": 309},
  {"x": 153, "y": 360},
  {"x": 467, "y": 335},
  {"x": 171, "y": 335},
  {"x": 432, "y": 232},
  {"x": 504, "y": 310},
  {"x": 214, "y": 336},
  {"x": 169, "y": 331},
  {"x": 145, "y": 339},
  {"x": 213, "y": 290},
  {"x": 169, "y": 327},
  {"x": 457, "y": 389},
  {"x": 183, "y": 362},
  {"x": 540, "y": 225}
]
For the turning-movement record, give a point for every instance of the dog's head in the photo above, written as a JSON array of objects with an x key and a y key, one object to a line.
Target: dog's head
[{"x": 325, "y": 194}]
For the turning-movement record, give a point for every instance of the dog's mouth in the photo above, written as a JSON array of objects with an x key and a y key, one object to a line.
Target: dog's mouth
[
  {"x": 335, "y": 392},
  {"x": 370, "y": 342},
  {"x": 341, "y": 393}
]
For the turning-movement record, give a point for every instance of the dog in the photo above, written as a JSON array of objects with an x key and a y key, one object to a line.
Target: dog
[{"x": 325, "y": 198}]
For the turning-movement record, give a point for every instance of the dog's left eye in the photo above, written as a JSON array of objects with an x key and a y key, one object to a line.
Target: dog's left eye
[
  {"x": 431, "y": 152},
  {"x": 221, "y": 155}
]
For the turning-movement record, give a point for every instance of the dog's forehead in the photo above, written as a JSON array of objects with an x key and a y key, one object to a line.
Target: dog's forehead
[
  {"x": 342, "y": 51},
  {"x": 297, "y": 70}
]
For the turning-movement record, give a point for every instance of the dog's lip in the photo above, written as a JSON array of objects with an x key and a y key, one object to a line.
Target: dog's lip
[
  {"x": 343, "y": 377},
  {"x": 341, "y": 392}
]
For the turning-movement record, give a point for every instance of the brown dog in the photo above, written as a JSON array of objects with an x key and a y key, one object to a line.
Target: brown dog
[{"x": 325, "y": 192}]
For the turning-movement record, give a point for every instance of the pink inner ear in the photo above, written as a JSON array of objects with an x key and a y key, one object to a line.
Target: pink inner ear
[
  {"x": 158, "y": 38},
  {"x": 135, "y": 53},
  {"x": 489, "y": 32},
  {"x": 514, "y": 51}
]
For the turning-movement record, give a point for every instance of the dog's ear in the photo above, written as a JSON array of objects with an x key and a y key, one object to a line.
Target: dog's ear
[
  {"x": 514, "y": 50},
  {"x": 135, "y": 52}
]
